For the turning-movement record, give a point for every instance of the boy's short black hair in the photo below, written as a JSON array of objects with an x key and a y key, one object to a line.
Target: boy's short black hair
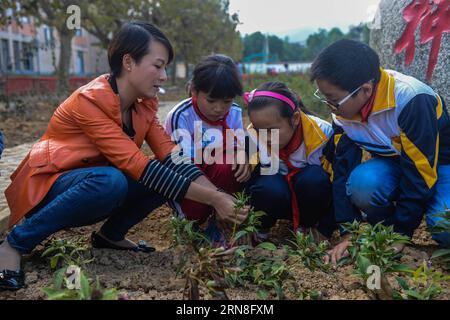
[
  {"x": 218, "y": 76},
  {"x": 347, "y": 64}
]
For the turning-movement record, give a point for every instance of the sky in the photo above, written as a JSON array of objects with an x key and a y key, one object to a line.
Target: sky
[{"x": 283, "y": 16}]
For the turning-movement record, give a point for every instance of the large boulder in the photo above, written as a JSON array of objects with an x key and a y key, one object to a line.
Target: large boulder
[{"x": 389, "y": 27}]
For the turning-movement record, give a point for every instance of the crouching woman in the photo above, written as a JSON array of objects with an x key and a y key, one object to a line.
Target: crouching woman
[{"x": 88, "y": 166}]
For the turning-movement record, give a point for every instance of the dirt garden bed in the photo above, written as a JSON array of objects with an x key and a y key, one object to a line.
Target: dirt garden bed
[{"x": 154, "y": 275}]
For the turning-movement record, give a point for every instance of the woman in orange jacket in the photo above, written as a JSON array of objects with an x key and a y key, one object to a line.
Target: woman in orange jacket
[{"x": 88, "y": 165}]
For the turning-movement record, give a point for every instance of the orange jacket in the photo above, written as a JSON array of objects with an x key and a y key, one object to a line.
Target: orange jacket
[{"x": 86, "y": 131}]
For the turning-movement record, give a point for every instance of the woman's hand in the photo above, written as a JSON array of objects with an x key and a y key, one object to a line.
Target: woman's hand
[
  {"x": 225, "y": 210},
  {"x": 243, "y": 172}
]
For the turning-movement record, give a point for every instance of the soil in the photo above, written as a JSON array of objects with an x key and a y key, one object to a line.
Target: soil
[
  {"x": 147, "y": 276},
  {"x": 153, "y": 275}
]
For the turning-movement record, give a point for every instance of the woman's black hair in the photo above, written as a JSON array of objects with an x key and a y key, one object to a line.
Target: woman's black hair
[
  {"x": 284, "y": 109},
  {"x": 347, "y": 64},
  {"x": 133, "y": 38},
  {"x": 218, "y": 76}
]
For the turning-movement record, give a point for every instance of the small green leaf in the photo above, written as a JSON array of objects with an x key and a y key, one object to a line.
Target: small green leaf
[
  {"x": 85, "y": 290},
  {"x": 239, "y": 235},
  {"x": 401, "y": 268},
  {"x": 263, "y": 294},
  {"x": 440, "y": 253},
  {"x": 403, "y": 283},
  {"x": 414, "y": 294},
  {"x": 267, "y": 246},
  {"x": 59, "y": 278},
  {"x": 54, "y": 262},
  {"x": 363, "y": 264}
]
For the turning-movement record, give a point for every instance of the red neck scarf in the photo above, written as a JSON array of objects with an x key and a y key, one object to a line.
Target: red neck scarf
[
  {"x": 293, "y": 146},
  {"x": 222, "y": 122},
  {"x": 368, "y": 107}
]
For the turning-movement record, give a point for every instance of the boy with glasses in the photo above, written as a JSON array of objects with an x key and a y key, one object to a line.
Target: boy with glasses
[{"x": 402, "y": 123}]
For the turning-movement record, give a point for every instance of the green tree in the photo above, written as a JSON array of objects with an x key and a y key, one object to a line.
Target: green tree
[
  {"x": 253, "y": 43},
  {"x": 103, "y": 17},
  {"x": 199, "y": 27}
]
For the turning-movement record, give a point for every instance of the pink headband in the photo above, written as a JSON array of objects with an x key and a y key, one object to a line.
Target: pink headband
[{"x": 248, "y": 97}]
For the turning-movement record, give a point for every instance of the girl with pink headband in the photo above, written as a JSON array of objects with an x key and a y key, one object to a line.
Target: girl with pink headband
[{"x": 301, "y": 189}]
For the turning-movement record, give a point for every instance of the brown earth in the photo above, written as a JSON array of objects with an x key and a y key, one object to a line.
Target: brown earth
[{"x": 153, "y": 276}]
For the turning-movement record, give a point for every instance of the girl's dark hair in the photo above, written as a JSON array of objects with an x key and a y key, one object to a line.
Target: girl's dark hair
[
  {"x": 218, "y": 76},
  {"x": 284, "y": 109},
  {"x": 133, "y": 38}
]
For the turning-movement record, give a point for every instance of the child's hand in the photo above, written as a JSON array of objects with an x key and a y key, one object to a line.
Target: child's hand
[
  {"x": 339, "y": 251},
  {"x": 243, "y": 172}
]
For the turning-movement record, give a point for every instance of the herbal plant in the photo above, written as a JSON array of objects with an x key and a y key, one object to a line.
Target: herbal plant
[
  {"x": 63, "y": 287},
  {"x": 442, "y": 226},
  {"x": 425, "y": 284},
  {"x": 208, "y": 272},
  {"x": 185, "y": 233},
  {"x": 373, "y": 246},
  {"x": 305, "y": 250},
  {"x": 65, "y": 252},
  {"x": 261, "y": 268},
  {"x": 206, "y": 268},
  {"x": 245, "y": 233}
]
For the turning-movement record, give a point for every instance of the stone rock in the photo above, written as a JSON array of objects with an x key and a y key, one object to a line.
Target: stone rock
[
  {"x": 389, "y": 26},
  {"x": 32, "y": 277}
]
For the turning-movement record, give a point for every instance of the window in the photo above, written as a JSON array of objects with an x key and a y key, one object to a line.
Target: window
[
  {"x": 5, "y": 61},
  {"x": 27, "y": 55},
  {"x": 79, "y": 65},
  {"x": 17, "y": 56},
  {"x": 48, "y": 35}
]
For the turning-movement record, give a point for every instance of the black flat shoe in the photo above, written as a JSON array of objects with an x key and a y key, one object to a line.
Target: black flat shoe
[
  {"x": 101, "y": 243},
  {"x": 12, "y": 280}
]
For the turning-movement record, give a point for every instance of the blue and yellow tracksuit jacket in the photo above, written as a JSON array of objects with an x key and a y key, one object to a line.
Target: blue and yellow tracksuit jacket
[{"x": 409, "y": 121}]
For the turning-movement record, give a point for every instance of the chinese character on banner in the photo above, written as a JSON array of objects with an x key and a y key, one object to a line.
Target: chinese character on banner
[{"x": 433, "y": 23}]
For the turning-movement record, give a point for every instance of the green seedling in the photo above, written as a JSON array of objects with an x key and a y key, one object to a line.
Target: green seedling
[
  {"x": 374, "y": 246},
  {"x": 65, "y": 252},
  {"x": 425, "y": 284},
  {"x": 305, "y": 250},
  {"x": 71, "y": 283}
]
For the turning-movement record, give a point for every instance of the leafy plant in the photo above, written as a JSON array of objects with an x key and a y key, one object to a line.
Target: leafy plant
[
  {"x": 208, "y": 271},
  {"x": 442, "y": 226},
  {"x": 185, "y": 233},
  {"x": 374, "y": 246},
  {"x": 245, "y": 233},
  {"x": 63, "y": 287},
  {"x": 309, "y": 295},
  {"x": 425, "y": 284},
  {"x": 65, "y": 252},
  {"x": 305, "y": 249},
  {"x": 262, "y": 269},
  {"x": 206, "y": 268}
]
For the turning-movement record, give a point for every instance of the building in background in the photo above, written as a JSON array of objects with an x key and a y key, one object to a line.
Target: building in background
[
  {"x": 34, "y": 50},
  {"x": 30, "y": 53}
]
